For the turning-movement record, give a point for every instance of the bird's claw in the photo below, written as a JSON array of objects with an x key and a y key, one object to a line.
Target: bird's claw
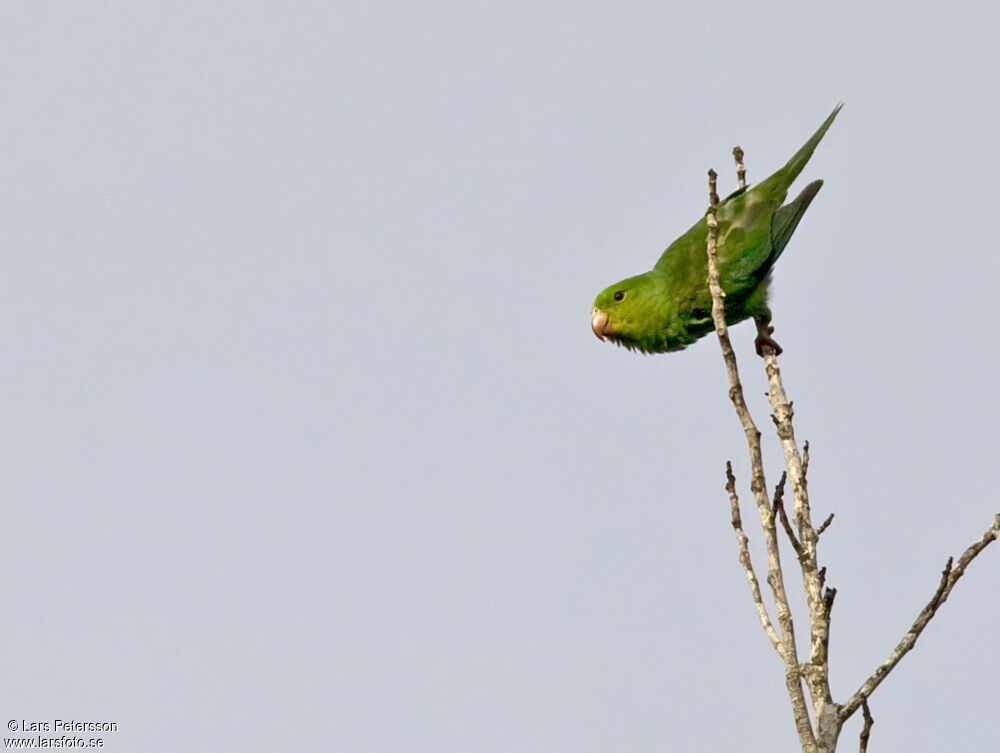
[{"x": 764, "y": 340}]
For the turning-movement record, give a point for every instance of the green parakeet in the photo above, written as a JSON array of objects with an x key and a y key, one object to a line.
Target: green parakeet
[{"x": 669, "y": 307}]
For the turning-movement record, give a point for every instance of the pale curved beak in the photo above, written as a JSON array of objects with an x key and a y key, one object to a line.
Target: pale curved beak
[{"x": 599, "y": 323}]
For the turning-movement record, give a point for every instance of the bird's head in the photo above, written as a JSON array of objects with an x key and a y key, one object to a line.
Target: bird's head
[{"x": 625, "y": 313}]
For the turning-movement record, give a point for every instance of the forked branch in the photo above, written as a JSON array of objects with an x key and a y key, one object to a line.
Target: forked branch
[{"x": 828, "y": 715}]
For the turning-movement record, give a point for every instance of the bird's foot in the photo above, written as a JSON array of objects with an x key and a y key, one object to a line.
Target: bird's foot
[{"x": 764, "y": 339}]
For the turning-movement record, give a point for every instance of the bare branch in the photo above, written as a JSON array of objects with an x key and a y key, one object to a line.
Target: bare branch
[
  {"x": 867, "y": 729},
  {"x": 949, "y": 577},
  {"x": 969, "y": 554},
  {"x": 825, "y": 524},
  {"x": 779, "y": 507},
  {"x": 775, "y": 578},
  {"x": 819, "y": 686},
  {"x": 779, "y": 489},
  {"x": 805, "y": 459},
  {"x": 713, "y": 197},
  {"x": 741, "y": 171},
  {"x": 742, "y": 542}
]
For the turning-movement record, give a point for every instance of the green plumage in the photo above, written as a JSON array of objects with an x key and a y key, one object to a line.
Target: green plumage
[{"x": 669, "y": 307}]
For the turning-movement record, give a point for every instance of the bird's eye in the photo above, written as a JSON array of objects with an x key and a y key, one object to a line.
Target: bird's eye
[{"x": 619, "y": 295}]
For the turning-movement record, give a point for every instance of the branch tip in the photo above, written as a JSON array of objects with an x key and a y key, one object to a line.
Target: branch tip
[
  {"x": 741, "y": 171},
  {"x": 867, "y": 729}
]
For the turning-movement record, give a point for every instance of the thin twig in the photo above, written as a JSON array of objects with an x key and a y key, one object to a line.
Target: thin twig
[
  {"x": 742, "y": 543},
  {"x": 825, "y": 524},
  {"x": 741, "y": 171},
  {"x": 775, "y": 578},
  {"x": 949, "y": 577},
  {"x": 779, "y": 507},
  {"x": 867, "y": 729}
]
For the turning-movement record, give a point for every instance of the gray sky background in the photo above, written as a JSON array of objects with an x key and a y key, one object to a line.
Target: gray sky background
[{"x": 307, "y": 442}]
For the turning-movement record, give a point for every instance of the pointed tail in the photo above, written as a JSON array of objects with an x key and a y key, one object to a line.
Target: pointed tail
[
  {"x": 787, "y": 218},
  {"x": 783, "y": 178}
]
